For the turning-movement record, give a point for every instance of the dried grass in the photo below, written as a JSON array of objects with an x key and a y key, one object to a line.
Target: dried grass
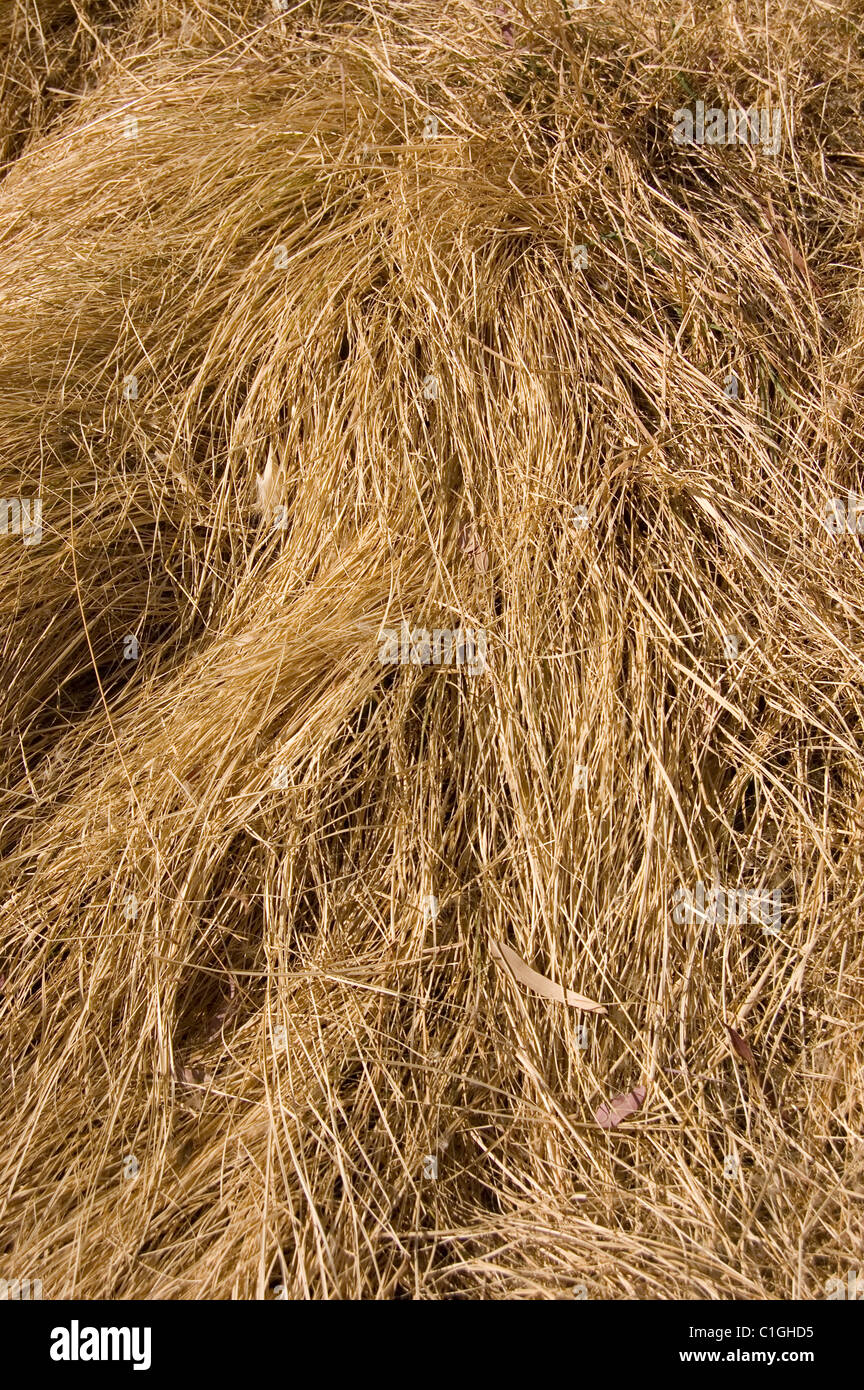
[{"x": 229, "y": 977}]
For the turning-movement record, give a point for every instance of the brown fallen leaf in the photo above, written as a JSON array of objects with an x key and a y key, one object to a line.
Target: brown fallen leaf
[
  {"x": 791, "y": 252},
  {"x": 764, "y": 1084},
  {"x": 608, "y": 1116},
  {"x": 192, "y": 1081},
  {"x": 192, "y": 1076},
  {"x": 741, "y": 1046},
  {"x": 506, "y": 28},
  {"x": 472, "y": 547},
  {"x": 222, "y": 1014},
  {"x": 540, "y": 984}
]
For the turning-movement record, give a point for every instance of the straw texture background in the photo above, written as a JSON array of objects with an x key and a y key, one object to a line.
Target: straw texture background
[{"x": 233, "y": 1031}]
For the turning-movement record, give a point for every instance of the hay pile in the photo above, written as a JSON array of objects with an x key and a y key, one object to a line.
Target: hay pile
[{"x": 297, "y": 345}]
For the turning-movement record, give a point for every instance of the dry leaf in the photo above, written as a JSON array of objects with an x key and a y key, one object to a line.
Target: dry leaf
[
  {"x": 791, "y": 252},
  {"x": 796, "y": 258},
  {"x": 608, "y": 1116},
  {"x": 192, "y": 1076},
  {"x": 269, "y": 486},
  {"x": 472, "y": 547},
  {"x": 506, "y": 28},
  {"x": 221, "y": 1015},
  {"x": 741, "y": 1046},
  {"x": 540, "y": 984}
]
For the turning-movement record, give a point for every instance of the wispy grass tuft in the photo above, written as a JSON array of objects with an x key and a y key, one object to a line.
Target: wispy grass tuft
[{"x": 232, "y": 256}]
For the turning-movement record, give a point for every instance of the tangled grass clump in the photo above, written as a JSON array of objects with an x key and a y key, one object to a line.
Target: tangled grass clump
[{"x": 329, "y": 321}]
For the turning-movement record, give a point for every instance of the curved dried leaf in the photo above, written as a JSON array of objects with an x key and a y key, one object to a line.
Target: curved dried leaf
[
  {"x": 541, "y": 984},
  {"x": 608, "y": 1116}
]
